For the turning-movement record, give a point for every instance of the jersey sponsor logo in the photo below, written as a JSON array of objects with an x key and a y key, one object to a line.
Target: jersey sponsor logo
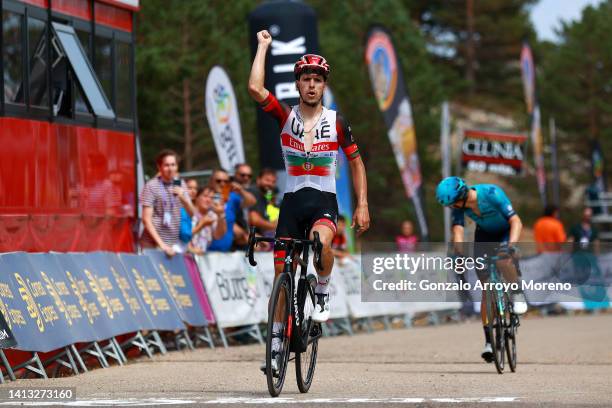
[
  {"x": 314, "y": 166},
  {"x": 288, "y": 141}
]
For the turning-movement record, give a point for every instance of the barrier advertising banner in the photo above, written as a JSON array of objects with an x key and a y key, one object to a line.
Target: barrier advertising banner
[
  {"x": 223, "y": 118},
  {"x": 95, "y": 306},
  {"x": 20, "y": 308},
  {"x": 493, "y": 152},
  {"x": 198, "y": 287},
  {"x": 390, "y": 92},
  {"x": 114, "y": 292},
  {"x": 232, "y": 287},
  {"x": 293, "y": 27},
  {"x": 152, "y": 292},
  {"x": 176, "y": 277}
]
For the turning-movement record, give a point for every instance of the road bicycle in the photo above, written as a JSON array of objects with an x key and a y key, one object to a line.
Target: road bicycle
[
  {"x": 291, "y": 305},
  {"x": 502, "y": 322}
]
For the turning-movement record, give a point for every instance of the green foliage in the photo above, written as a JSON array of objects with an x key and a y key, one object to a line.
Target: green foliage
[
  {"x": 499, "y": 28},
  {"x": 576, "y": 81},
  {"x": 178, "y": 42}
]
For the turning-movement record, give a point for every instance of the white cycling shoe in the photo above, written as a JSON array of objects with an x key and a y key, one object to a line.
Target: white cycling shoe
[
  {"x": 321, "y": 311},
  {"x": 487, "y": 353},
  {"x": 274, "y": 363},
  {"x": 519, "y": 303}
]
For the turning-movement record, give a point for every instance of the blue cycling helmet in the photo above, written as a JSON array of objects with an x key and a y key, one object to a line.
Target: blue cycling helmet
[{"x": 450, "y": 190}]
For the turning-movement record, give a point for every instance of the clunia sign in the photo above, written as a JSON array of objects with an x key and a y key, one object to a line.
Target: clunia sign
[{"x": 494, "y": 152}]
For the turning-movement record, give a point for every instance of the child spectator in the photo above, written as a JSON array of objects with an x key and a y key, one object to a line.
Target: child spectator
[{"x": 407, "y": 240}]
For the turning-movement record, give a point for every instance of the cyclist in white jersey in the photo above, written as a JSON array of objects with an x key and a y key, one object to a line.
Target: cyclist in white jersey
[{"x": 310, "y": 138}]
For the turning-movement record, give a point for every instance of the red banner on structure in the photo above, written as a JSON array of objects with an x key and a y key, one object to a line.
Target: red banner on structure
[{"x": 494, "y": 152}]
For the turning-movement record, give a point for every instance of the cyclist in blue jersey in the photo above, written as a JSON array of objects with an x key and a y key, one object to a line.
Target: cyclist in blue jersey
[{"x": 496, "y": 222}]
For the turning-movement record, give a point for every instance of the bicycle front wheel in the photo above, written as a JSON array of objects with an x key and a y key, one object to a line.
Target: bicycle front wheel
[
  {"x": 306, "y": 361},
  {"x": 510, "y": 335},
  {"x": 277, "y": 342}
]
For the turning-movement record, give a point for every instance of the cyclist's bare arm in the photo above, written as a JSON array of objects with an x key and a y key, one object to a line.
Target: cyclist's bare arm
[
  {"x": 457, "y": 236},
  {"x": 256, "y": 80},
  {"x": 361, "y": 218},
  {"x": 516, "y": 227}
]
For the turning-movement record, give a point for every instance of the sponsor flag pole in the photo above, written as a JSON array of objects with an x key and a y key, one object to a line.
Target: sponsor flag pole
[
  {"x": 390, "y": 91},
  {"x": 538, "y": 152},
  {"x": 223, "y": 119},
  {"x": 553, "y": 161},
  {"x": 446, "y": 162}
]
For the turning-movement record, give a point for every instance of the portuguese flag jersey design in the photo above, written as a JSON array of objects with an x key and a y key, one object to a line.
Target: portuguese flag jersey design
[{"x": 317, "y": 167}]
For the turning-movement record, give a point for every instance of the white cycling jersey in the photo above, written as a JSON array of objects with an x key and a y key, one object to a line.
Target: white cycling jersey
[{"x": 316, "y": 168}]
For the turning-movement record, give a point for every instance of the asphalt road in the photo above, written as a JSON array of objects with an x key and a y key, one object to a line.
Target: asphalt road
[{"x": 563, "y": 361}]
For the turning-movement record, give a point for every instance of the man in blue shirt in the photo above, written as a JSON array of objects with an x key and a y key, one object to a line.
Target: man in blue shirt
[
  {"x": 237, "y": 199},
  {"x": 496, "y": 222}
]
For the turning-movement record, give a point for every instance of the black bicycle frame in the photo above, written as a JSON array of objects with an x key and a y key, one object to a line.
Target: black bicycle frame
[{"x": 292, "y": 248}]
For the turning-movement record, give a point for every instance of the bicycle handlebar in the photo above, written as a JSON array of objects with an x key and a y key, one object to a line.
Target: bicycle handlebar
[{"x": 315, "y": 243}]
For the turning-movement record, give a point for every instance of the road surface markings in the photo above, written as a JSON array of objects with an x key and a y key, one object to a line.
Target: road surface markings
[{"x": 143, "y": 402}]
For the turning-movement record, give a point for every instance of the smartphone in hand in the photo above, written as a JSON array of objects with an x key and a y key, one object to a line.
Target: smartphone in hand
[{"x": 176, "y": 182}]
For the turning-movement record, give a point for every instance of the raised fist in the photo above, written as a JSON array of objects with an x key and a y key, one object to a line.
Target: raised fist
[{"x": 264, "y": 37}]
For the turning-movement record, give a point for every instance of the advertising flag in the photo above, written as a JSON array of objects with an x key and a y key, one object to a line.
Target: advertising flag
[
  {"x": 538, "y": 152},
  {"x": 528, "y": 74},
  {"x": 223, "y": 119},
  {"x": 390, "y": 92},
  {"x": 599, "y": 179},
  {"x": 343, "y": 177}
]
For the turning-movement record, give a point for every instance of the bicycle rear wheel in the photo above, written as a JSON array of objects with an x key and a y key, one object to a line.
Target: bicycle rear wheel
[
  {"x": 510, "y": 334},
  {"x": 496, "y": 328},
  {"x": 279, "y": 311},
  {"x": 306, "y": 361}
]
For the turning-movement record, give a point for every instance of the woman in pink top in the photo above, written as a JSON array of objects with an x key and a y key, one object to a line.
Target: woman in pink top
[{"x": 407, "y": 241}]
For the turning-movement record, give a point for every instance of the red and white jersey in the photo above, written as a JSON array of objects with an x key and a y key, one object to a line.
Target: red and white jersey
[{"x": 316, "y": 168}]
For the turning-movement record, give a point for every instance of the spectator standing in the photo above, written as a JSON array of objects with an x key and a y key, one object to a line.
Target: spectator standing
[
  {"x": 208, "y": 221},
  {"x": 234, "y": 197},
  {"x": 192, "y": 188},
  {"x": 407, "y": 240},
  {"x": 340, "y": 243},
  {"x": 583, "y": 234},
  {"x": 243, "y": 175},
  {"x": 259, "y": 214},
  {"x": 586, "y": 246},
  {"x": 162, "y": 199},
  {"x": 548, "y": 231}
]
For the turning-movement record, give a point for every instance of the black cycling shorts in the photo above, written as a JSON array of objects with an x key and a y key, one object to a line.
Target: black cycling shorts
[
  {"x": 487, "y": 244},
  {"x": 299, "y": 211}
]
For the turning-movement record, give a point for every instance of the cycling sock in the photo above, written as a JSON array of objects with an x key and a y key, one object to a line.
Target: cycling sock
[
  {"x": 487, "y": 334},
  {"x": 323, "y": 284},
  {"x": 276, "y": 341}
]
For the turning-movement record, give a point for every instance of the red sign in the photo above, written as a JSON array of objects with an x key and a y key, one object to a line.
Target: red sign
[{"x": 494, "y": 152}]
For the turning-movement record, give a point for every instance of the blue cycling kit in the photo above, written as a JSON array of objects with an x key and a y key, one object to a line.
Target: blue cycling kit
[{"x": 495, "y": 211}]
